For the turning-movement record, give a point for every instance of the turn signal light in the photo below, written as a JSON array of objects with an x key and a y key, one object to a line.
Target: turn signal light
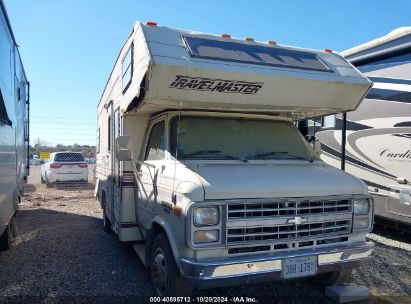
[
  {"x": 177, "y": 210},
  {"x": 328, "y": 50},
  {"x": 271, "y": 42},
  {"x": 249, "y": 39},
  {"x": 151, "y": 23}
]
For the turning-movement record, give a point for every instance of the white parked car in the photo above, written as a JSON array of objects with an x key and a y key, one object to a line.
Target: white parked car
[{"x": 63, "y": 167}]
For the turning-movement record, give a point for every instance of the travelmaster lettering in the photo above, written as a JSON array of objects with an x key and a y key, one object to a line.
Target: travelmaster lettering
[{"x": 215, "y": 85}]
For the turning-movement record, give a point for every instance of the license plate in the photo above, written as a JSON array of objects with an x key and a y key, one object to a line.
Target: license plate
[{"x": 299, "y": 267}]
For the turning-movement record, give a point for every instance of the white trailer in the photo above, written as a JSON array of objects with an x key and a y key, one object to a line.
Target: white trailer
[
  {"x": 14, "y": 102},
  {"x": 199, "y": 162},
  {"x": 378, "y": 140}
]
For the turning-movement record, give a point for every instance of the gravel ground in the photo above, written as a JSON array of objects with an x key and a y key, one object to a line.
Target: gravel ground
[{"x": 63, "y": 255}]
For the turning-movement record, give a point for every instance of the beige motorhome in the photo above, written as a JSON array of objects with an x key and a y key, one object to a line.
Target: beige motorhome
[{"x": 200, "y": 165}]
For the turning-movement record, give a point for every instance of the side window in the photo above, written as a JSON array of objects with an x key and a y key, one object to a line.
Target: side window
[
  {"x": 156, "y": 142},
  {"x": 127, "y": 68},
  {"x": 328, "y": 121},
  {"x": 109, "y": 134},
  {"x": 116, "y": 124},
  {"x": 18, "y": 74}
]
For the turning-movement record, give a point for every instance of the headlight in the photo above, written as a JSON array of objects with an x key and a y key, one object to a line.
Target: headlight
[
  {"x": 206, "y": 216},
  {"x": 361, "y": 206},
  {"x": 361, "y": 223},
  {"x": 205, "y": 236}
]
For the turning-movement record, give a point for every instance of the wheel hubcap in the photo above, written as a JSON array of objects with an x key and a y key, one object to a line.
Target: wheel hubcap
[{"x": 159, "y": 272}]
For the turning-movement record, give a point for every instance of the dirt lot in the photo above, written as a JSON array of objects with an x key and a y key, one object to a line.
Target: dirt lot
[{"x": 63, "y": 255}]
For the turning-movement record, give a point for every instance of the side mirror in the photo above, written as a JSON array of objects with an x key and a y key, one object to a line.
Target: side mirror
[
  {"x": 310, "y": 138},
  {"x": 317, "y": 147},
  {"x": 123, "y": 152}
]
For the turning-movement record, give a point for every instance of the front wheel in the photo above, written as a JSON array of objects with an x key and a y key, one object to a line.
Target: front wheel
[
  {"x": 164, "y": 271},
  {"x": 5, "y": 238},
  {"x": 14, "y": 225}
]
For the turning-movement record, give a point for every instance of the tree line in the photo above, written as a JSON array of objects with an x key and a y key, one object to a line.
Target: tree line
[{"x": 40, "y": 145}]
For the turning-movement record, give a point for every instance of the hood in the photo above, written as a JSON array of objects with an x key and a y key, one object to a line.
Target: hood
[{"x": 232, "y": 181}]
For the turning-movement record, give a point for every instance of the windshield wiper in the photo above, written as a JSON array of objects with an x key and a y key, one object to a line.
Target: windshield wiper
[
  {"x": 285, "y": 153},
  {"x": 217, "y": 152},
  {"x": 201, "y": 152}
]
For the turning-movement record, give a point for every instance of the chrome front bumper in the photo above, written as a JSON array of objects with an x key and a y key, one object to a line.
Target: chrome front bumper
[{"x": 247, "y": 270}]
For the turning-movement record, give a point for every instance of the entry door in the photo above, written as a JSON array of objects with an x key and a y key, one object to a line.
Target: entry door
[
  {"x": 154, "y": 156},
  {"x": 109, "y": 165},
  {"x": 116, "y": 168}
]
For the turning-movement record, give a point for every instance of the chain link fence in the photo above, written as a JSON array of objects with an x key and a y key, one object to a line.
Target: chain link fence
[
  {"x": 62, "y": 155},
  {"x": 63, "y": 175}
]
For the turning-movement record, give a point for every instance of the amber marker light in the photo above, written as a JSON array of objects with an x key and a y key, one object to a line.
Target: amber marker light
[{"x": 177, "y": 210}]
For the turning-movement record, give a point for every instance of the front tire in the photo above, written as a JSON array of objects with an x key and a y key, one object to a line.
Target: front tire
[
  {"x": 5, "y": 239},
  {"x": 164, "y": 271},
  {"x": 14, "y": 225}
]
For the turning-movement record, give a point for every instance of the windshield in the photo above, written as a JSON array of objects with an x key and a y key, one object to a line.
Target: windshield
[
  {"x": 68, "y": 157},
  {"x": 238, "y": 138}
]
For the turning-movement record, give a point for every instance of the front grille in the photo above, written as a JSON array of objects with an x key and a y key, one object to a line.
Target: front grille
[
  {"x": 276, "y": 247},
  {"x": 287, "y": 221},
  {"x": 287, "y": 232},
  {"x": 284, "y": 208}
]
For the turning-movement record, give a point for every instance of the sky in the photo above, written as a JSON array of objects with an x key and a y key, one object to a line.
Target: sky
[{"x": 69, "y": 47}]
